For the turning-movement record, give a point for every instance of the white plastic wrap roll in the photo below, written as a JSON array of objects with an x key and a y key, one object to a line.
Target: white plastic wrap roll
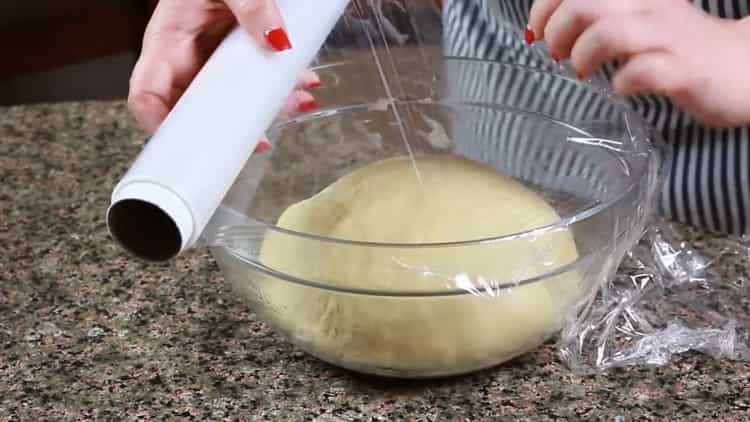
[{"x": 165, "y": 200}]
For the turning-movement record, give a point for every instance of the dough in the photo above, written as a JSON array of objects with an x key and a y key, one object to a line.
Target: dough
[{"x": 456, "y": 200}]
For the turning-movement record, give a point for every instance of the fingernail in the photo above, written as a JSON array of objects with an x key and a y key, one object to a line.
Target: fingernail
[
  {"x": 263, "y": 146},
  {"x": 308, "y": 106},
  {"x": 555, "y": 58},
  {"x": 278, "y": 39},
  {"x": 528, "y": 35},
  {"x": 579, "y": 76},
  {"x": 314, "y": 84}
]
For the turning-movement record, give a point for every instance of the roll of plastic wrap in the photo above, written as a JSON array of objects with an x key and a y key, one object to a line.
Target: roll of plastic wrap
[{"x": 163, "y": 203}]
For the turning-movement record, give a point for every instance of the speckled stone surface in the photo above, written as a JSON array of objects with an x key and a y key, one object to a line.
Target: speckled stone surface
[{"x": 86, "y": 333}]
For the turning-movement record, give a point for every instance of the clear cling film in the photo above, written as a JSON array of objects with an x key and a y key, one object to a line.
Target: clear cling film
[
  {"x": 455, "y": 203},
  {"x": 670, "y": 296}
]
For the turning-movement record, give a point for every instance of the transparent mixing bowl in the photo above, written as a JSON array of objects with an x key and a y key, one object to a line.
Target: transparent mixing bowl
[{"x": 576, "y": 145}]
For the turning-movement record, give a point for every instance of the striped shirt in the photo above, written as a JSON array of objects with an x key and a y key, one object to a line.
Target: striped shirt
[{"x": 707, "y": 170}]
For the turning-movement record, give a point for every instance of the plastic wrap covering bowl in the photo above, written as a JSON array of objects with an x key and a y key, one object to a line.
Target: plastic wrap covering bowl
[{"x": 432, "y": 306}]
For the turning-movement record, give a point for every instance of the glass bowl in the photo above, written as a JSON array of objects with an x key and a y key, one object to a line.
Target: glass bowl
[{"x": 410, "y": 309}]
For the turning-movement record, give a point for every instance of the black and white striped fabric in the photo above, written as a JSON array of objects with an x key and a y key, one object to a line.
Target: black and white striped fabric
[{"x": 707, "y": 170}]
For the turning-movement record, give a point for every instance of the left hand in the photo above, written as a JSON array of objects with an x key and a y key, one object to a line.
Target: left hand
[
  {"x": 179, "y": 39},
  {"x": 667, "y": 47}
]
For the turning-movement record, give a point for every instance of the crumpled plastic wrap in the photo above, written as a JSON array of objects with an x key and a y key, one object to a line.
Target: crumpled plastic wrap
[{"x": 676, "y": 291}]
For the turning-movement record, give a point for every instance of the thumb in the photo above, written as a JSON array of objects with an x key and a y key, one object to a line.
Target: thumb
[{"x": 262, "y": 20}]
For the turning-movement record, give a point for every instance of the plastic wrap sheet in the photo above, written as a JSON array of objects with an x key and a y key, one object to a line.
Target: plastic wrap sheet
[{"x": 676, "y": 291}]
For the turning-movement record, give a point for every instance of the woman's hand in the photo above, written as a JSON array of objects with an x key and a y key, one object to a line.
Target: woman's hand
[
  {"x": 666, "y": 47},
  {"x": 181, "y": 36}
]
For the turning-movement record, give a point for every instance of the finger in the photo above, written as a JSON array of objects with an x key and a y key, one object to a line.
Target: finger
[
  {"x": 573, "y": 17},
  {"x": 648, "y": 73},
  {"x": 263, "y": 146},
  {"x": 616, "y": 37},
  {"x": 263, "y": 21},
  {"x": 298, "y": 102},
  {"x": 309, "y": 79},
  {"x": 148, "y": 109},
  {"x": 539, "y": 15},
  {"x": 176, "y": 44}
]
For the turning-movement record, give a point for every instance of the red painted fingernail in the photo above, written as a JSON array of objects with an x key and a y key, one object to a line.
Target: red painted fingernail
[
  {"x": 308, "y": 106},
  {"x": 278, "y": 39},
  {"x": 579, "y": 76},
  {"x": 263, "y": 146},
  {"x": 528, "y": 35},
  {"x": 315, "y": 84}
]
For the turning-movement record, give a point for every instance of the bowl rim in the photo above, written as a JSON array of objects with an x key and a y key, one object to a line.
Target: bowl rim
[
  {"x": 584, "y": 213},
  {"x": 648, "y": 169}
]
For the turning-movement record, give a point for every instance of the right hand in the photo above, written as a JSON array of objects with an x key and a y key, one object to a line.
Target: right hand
[
  {"x": 178, "y": 41},
  {"x": 667, "y": 47}
]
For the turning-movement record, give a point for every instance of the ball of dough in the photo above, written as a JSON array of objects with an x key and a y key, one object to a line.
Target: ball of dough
[{"x": 450, "y": 199}]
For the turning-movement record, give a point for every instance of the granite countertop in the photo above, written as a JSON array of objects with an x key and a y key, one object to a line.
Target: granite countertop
[{"x": 88, "y": 333}]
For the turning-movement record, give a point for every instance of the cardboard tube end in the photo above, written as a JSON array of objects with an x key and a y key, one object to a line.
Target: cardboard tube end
[{"x": 150, "y": 222}]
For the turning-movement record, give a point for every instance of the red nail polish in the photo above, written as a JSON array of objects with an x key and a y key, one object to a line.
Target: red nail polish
[
  {"x": 263, "y": 146},
  {"x": 579, "y": 76},
  {"x": 308, "y": 106},
  {"x": 528, "y": 35},
  {"x": 315, "y": 84},
  {"x": 278, "y": 39}
]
